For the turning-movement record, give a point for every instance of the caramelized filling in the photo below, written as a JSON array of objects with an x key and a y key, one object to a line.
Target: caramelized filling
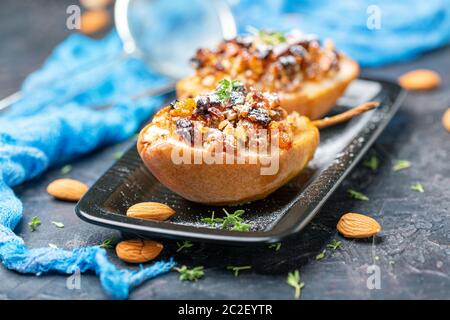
[
  {"x": 229, "y": 114},
  {"x": 267, "y": 61}
]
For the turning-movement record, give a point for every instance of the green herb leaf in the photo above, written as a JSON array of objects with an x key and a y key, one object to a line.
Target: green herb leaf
[
  {"x": 34, "y": 223},
  {"x": 235, "y": 221},
  {"x": 335, "y": 244},
  {"x": 66, "y": 169},
  {"x": 401, "y": 164},
  {"x": 117, "y": 155},
  {"x": 211, "y": 220},
  {"x": 321, "y": 255},
  {"x": 225, "y": 88},
  {"x": 272, "y": 38},
  {"x": 236, "y": 269},
  {"x": 357, "y": 195},
  {"x": 275, "y": 246},
  {"x": 58, "y": 224},
  {"x": 372, "y": 163},
  {"x": 239, "y": 226},
  {"x": 417, "y": 187},
  {"x": 231, "y": 220},
  {"x": 193, "y": 274},
  {"x": 53, "y": 246},
  {"x": 293, "y": 279},
  {"x": 107, "y": 244},
  {"x": 184, "y": 245}
]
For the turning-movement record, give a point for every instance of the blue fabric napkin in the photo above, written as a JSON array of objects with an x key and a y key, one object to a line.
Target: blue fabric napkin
[
  {"x": 53, "y": 123},
  {"x": 407, "y": 28}
]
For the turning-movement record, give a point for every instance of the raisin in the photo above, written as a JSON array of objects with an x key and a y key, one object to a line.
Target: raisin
[
  {"x": 173, "y": 103},
  {"x": 298, "y": 51},
  {"x": 287, "y": 61},
  {"x": 202, "y": 106},
  {"x": 185, "y": 129},
  {"x": 214, "y": 101},
  {"x": 208, "y": 106},
  {"x": 196, "y": 63},
  {"x": 260, "y": 116},
  {"x": 239, "y": 87},
  {"x": 237, "y": 98},
  {"x": 219, "y": 66},
  {"x": 289, "y": 65},
  {"x": 216, "y": 113}
]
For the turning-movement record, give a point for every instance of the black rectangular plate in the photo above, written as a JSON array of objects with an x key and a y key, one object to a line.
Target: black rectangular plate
[{"x": 283, "y": 213}]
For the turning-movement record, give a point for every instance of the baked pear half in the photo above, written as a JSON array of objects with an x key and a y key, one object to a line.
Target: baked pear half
[
  {"x": 308, "y": 77},
  {"x": 229, "y": 146}
]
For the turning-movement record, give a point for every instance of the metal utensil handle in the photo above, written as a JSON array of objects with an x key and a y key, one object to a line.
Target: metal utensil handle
[{"x": 67, "y": 76}]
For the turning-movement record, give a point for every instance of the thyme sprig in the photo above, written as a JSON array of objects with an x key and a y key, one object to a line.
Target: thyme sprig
[
  {"x": 357, "y": 195},
  {"x": 373, "y": 163},
  {"x": 185, "y": 244},
  {"x": 34, "y": 223},
  {"x": 335, "y": 244},
  {"x": 237, "y": 269},
  {"x": 231, "y": 220},
  {"x": 401, "y": 165},
  {"x": 417, "y": 187},
  {"x": 193, "y": 274},
  {"x": 293, "y": 279},
  {"x": 225, "y": 88}
]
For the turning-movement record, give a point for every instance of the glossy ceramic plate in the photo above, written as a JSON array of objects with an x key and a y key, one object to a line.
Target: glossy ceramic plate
[{"x": 283, "y": 213}]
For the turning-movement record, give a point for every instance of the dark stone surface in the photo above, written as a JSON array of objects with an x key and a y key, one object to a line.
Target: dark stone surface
[{"x": 412, "y": 251}]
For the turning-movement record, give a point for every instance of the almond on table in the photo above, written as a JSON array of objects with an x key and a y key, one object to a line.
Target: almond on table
[
  {"x": 150, "y": 211},
  {"x": 138, "y": 251},
  {"x": 95, "y": 4},
  {"x": 446, "y": 120},
  {"x": 94, "y": 21},
  {"x": 421, "y": 79},
  {"x": 355, "y": 225},
  {"x": 67, "y": 189}
]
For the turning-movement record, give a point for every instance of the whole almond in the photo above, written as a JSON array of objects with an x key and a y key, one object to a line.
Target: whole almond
[
  {"x": 421, "y": 79},
  {"x": 67, "y": 189},
  {"x": 138, "y": 251},
  {"x": 95, "y": 4},
  {"x": 355, "y": 225},
  {"x": 94, "y": 21},
  {"x": 446, "y": 119},
  {"x": 150, "y": 211}
]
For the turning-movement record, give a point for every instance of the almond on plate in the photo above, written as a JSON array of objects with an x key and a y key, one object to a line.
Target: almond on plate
[
  {"x": 138, "y": 251},
  {"x": 355, "y": 225},
  {"x": 421, "y": 79},
  {"x": 67, "y": 189},
  {"x": 150, "y": 211}
]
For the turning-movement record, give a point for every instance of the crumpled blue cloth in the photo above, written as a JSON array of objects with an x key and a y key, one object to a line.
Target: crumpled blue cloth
[
  {"x": 408, "y": 28},
  {"x": 53, "y": 123}
]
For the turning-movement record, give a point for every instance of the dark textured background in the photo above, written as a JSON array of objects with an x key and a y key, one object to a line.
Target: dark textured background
[{"x": 412, "y": 251}]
